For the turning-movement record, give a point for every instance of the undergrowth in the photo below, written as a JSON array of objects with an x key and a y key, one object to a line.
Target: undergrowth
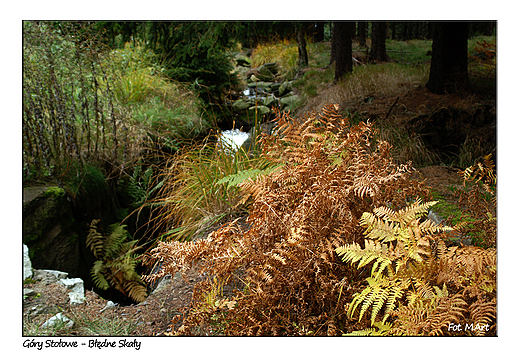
[
  {"x": 200, "y": 187},
  {"x": 283, "y": 266}
]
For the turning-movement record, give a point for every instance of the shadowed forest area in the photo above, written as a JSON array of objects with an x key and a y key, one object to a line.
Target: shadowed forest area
[{"x": 262, "y": 178}]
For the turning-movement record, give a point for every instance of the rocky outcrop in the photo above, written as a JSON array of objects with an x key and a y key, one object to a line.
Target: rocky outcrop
[{"x": 48, "y": 230}]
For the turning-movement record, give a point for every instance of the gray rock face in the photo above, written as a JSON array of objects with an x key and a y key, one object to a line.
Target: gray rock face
[
  {"x": 260, "y": 110},
  {"x": 285, "y": 88}
]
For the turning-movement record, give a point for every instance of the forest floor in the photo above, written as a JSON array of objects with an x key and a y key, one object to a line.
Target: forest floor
[{"x": 153, "y": 317}]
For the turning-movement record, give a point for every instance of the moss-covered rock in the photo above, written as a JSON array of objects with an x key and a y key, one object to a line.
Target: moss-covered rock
[{"x": 48, "y": 229}]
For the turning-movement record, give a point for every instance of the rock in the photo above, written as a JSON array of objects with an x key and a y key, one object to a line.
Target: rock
[
  {"x": 240, "y": 105},
  {"x": 289, "y": 102},
  {"x": 27, "y": 267},
  {"x": 270, "y": 100},
  {"x": 264, "y": 73},
  {"x": 242, "y": 60},
  {"x": 48, "y": 228},
  {"x": 260, "y": 110},
  {"x": 28, "y": 292},
  {"x": 49, "y": 276},
  {"x": 110, "y": 305},
  {"x": 455, "y": 240},
  {"x": 57, "y": 320},
  {"x": 266, "y": 86},
  {"x": 285, "y": 88},
  {"x": 271, "y": 67},
  {"x": 77, "y": 291}
]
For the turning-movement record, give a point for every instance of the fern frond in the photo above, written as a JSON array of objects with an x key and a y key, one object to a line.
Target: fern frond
[
  {"x": 97, "y": 275},
  {"x": 95, "y": 240},
  {"x": 372, "y": 251},
  {"x": 243, "y": 175},
  {"x": 115, "y": 239},
  {"x": 136, "y": 290}
]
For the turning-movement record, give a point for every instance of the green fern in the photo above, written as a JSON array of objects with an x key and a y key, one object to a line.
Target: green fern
[
  {"x": 117, "y": 261},
  {"x": 397, "y": 246},
  {"x": 236, "y": 179}
]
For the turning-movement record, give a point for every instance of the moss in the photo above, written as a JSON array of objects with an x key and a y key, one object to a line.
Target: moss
[
  {"x": 446, "y": 209},
  {"x": 54, "y": 192}
]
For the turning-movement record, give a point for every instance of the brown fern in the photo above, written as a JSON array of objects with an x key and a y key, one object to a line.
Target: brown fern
[{"x": 293, "y": 283}]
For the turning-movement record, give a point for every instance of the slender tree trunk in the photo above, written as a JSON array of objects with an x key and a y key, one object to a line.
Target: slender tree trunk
[
  {"x": 378, "y": 51},
  {"x": 449, "y": 64},
  {"x": 303, "y": 58},
  {"x": 344, "y": 31}
]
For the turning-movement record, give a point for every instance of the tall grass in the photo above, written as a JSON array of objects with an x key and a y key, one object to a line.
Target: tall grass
[
  {"x": 194, "y": 195},
  {"x": 284, "y": 53}
]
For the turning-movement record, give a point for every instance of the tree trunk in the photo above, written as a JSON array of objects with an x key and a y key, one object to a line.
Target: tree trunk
[
  {"x": 303, "y": 58},
  {"x": 362, "y": 33},
  {"x": 318, "y": 32},
  {"x": 378, "y": 51},
  {"x": 333, "y": 43},
  {"x": 343, "y": 31},
  {"x": 449, "y": 64}
]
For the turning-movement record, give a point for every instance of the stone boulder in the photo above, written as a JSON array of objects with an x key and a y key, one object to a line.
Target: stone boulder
[
  {"x": 264, "y": 73},
  {"x": 242, "y": 60},
  {"x": 49, "y": 276},
  {"x": 261, "y": 110},
  {"x": 289, "y": 102},
  {"x": 27, "y": 266},
  {"x": 285, "y": 88},
  {"x": 270, "y": 101},
  {"x": 240, "y": 105},
  {"x": 266, "y": 86},
  {"x": 58, "y": 320},
  {"x": 77, "y": 291},
  {"x": 49, "y": 230}
]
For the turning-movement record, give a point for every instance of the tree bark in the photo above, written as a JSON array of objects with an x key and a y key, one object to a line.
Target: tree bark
[
  {"x": 303, "y": 58},
  {"x": 449, "y": 64},
  {"x": 343, "y": 31},
  {"x": 378, "y": 50},
  {"x": 362, "y": 33},
  {"x": 318, "y": 32}
]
